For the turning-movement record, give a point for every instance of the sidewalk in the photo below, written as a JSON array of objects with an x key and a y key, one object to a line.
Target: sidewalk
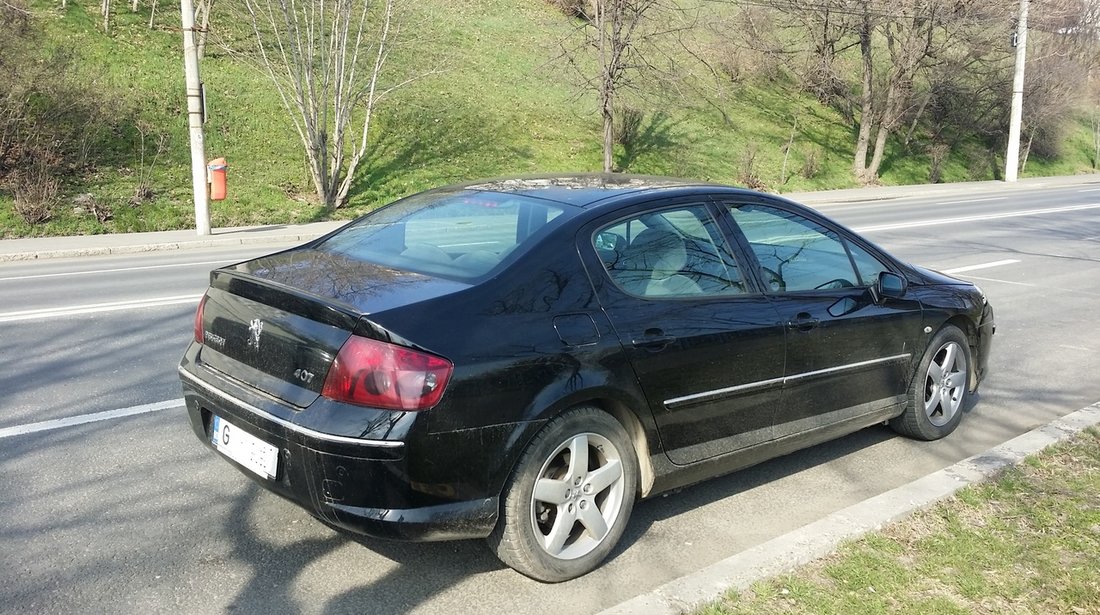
[{"x": 129, "y": 243}]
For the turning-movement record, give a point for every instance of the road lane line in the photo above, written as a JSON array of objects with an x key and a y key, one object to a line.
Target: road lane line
[
  {"x": 995, "y": 198},
  {"x": 96, "y": 308},
  {"x": 1009, "y": 261},
  {"x": 1047, "y": 288},
  {"x": 1090, "y": 190},
  {"x": 95, "y": 271},
  {"x": 81, "y": 419},
  {"x": 979, "y": 218}
]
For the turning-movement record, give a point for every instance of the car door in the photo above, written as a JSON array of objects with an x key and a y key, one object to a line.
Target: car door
[
  {"x": 848, "y": 354},
  {"x": 703, "y": 341}
]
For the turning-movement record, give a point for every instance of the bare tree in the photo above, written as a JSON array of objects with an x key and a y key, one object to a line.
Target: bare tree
[
  {"x": 326, "y": 59},
  {"x": 900, "y": 44},
  {"x": 624, "y": 38}
]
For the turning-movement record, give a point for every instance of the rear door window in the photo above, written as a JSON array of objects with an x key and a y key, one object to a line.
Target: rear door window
[{"x": 674, "y": 252}]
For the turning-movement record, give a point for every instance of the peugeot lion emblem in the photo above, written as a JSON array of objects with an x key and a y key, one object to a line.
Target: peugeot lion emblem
[{"x": 254, "y": 329}]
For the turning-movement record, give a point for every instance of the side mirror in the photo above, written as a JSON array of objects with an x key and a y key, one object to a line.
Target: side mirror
[{"x": 889, "y": 285}]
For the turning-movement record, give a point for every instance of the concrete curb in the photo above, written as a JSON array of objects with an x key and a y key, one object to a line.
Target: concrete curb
[
  {"x": 27, "y": 249},
  {"x": 158, "y": 246},
  {"x": 821, "y": 537},
  {"x": 887, "y": 193}
]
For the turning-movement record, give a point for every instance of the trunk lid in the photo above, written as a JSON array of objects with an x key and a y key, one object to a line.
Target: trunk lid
[{"x": 276, "y": 323}]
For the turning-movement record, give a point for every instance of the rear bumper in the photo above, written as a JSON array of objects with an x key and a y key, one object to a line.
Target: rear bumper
[{"x": 368, "y": 487}]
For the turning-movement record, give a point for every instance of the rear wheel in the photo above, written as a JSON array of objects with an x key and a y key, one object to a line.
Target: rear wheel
[
  {"x": 568, "y": 501},
  {"x": 939, "y": 388}
]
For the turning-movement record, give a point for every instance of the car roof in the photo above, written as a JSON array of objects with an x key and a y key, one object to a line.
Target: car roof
[{"x": 585, "y": 189}]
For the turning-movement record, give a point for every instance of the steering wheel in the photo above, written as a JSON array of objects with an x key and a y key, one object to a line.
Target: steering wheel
[
  {"x": 834, "y": 283},
  {"x": 773, "y": 280}
]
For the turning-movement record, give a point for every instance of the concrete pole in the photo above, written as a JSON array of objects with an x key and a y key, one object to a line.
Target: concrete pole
[
  {"x": 1012, "y": 156},
  {"x": 194, "y": 118}
]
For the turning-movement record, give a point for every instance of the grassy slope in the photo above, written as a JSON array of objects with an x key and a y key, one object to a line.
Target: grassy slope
[{"x": 500, "y": 105}]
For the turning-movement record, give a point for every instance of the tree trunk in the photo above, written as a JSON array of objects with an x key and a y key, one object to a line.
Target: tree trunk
[
  {"x": 206, "y": 7},
  {"x": 1027, "y": 151},
  {"x": 608, "y": 134},
  {"x": 916, "y": 119},
  {"x": 885, "y": 126},
  {"x": 787, "y": 152},
  {"x": 607, "y": 43},
  {"x": 866, "y": 117},
  {"x": 1096, "y": 141}
]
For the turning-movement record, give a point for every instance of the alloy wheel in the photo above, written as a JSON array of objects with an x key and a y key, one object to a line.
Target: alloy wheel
[
  {"x": 945, "y": 384},
  {"x": 577, "y": 496}
]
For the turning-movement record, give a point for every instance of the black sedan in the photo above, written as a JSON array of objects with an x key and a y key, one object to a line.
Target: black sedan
[{"x": 522, "y": 359}]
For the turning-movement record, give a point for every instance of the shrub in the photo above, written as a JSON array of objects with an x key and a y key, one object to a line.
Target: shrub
[
  {"x": 627, "y": 126},
  {"x": 35, "y": 191},
  {"x": 746, "y": 173},
  {"x": 572, "y": 8},
  {"x": 811, "y": 162},
  {"x": 937, "y": 155}
]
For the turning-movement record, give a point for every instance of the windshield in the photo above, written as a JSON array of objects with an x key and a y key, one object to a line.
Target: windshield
[{"x": 461, "y": 235}]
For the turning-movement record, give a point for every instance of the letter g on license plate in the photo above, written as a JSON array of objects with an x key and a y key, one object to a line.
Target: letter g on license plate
[{"x": 245, "y": 448}]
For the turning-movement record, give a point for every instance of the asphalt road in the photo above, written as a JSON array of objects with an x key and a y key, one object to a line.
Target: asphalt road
[{"x": 133, "y": 515}]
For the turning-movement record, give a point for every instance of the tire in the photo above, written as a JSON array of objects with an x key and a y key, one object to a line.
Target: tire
[
  {"x": 552, "y": 534},
  {"x": 940, "y": 387}
]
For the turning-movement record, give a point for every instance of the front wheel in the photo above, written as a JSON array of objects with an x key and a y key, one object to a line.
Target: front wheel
[
  {"x": 939, "y": 389},
  {"x": 568, "y": 501}
]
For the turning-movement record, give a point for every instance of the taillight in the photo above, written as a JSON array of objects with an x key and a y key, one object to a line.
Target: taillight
[
  {"x": 368, "y": 372},
  {"x": 198, "y": 320}
]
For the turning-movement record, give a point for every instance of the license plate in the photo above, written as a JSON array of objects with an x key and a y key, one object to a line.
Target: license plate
[{"x": 245, "y": 448}]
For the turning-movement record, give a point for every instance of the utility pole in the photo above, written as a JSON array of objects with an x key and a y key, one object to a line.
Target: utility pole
[
  {"x": 1012, "y": 156},
  {"x": 195, "y": 118}
]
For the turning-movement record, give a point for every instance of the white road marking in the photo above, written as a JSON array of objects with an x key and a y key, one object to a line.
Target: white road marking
[
  {"x": 95, "y": 271},
  {"x": 1081, "y": 348},
  {"x": 1009, "y": 261},
  {"x": 1011, "y": 214},
  {"x": 95, "y": 308},
  {"x": 1090, "y": 190},
  {"x": 995, "y": 198},
  {"x": 81, "y": 419}
]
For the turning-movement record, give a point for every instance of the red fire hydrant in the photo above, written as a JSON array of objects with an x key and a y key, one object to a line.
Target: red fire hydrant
[{"x": 215, "y": 174}]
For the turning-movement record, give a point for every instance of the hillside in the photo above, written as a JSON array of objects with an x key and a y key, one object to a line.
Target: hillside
[{"x": 495, "y": 102}]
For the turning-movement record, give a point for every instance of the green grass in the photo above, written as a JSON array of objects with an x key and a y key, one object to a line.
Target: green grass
[
  {"x": 496, "y": 103},
  {"x": 1026, "y": 543}
]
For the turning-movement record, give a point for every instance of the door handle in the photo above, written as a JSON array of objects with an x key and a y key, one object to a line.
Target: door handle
[
  {"x": 803, "y": 322},
  {"x": 654, "y": 340}
]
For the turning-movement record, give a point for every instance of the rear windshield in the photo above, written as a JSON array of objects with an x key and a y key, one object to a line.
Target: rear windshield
[{"x": 461, "y": 235}]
